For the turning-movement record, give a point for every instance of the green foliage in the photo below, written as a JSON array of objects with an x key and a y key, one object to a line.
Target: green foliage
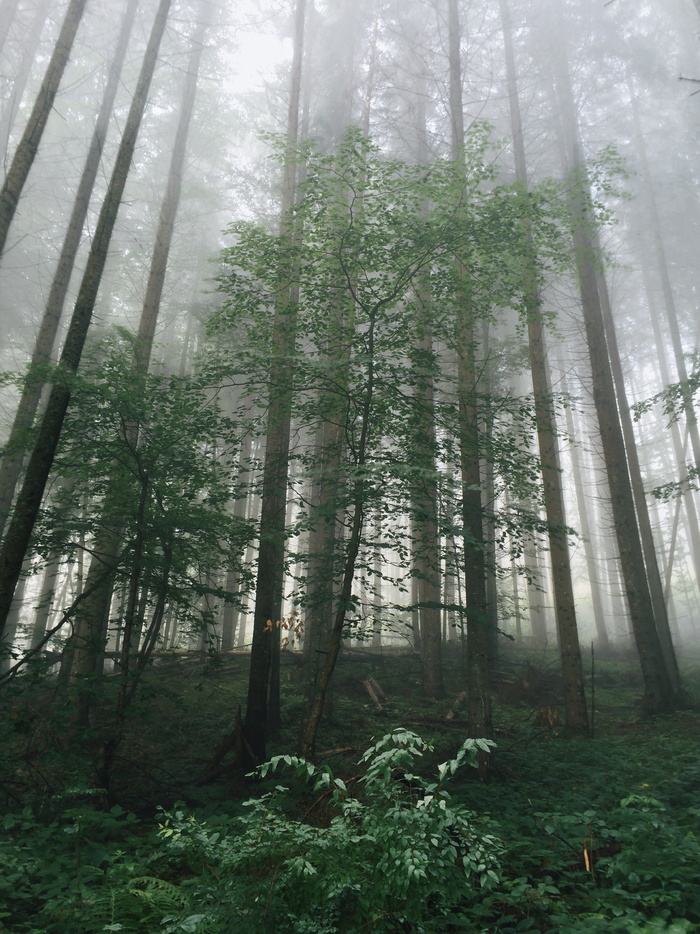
[
  {"x": 73, "y": 872},
  {"x": 397, "y": 854},
  {"x": 332, "y": 848},
  {"x": 184, "y": 440},
  {"x": 373, "y": 270}
]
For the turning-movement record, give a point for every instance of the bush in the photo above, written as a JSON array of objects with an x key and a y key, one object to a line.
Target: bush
[{"x": 398, "y": 855}]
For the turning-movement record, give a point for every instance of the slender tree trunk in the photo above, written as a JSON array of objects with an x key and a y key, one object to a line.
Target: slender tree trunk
[
  {"x": 656, "y": 590},
  {"x": 479, "y": 697},
  {"x": 31, "y": 393},
  {"x": 488, "y": 501},
  {"x": 29, "y": 500},
  {"x": 588, "y": 542},
  {"x": 535, "y": 593},
  {"x": 313, "y": 719},
  {"x": 378, "y": 602},
  {"x": 21, "y": 75},
  {"x": 569, "y": 648},
  {"x": 270, "y": 571},
  {"x": 31, "y": 138},
  {"x": 46, "y": 600},
  {"x": 94, "y": 614},
  {"x": 659, "y": 693}
]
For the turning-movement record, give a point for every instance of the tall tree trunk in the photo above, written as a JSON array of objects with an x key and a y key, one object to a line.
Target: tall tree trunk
[
  {"x": 10, "y": 466},
  {"x": 659, "y": 693},
  {"x": 569, "y": 648},
  {"x": 488, "y": 500},
  {"x": 28, "y": 503},
  {"x": 94, "y": 614},
  {"x": 270, "y": 570},
  {"x": 479, "y": 697},
  {"x": 21, "y": 74},
  {"x": 423, "y": 445},
  {"x": 588, "y": 542},
  {"x": 656, "y": 590},
  {"x": 31, "y": 138}
]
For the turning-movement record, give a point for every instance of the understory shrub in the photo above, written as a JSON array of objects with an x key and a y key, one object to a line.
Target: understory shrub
[{"x": 397, "y": 854}]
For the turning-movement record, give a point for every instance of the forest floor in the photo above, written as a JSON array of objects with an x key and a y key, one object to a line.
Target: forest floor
[{"x": 595, "y": 834}]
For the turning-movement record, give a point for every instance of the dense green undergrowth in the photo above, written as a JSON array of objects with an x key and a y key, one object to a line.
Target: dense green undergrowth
[{"x": 569, "y": 835}]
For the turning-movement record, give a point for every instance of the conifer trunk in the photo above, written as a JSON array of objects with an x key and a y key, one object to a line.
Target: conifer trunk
[
  {"x": 31, "y": 138},
  {"x": 90, "y": 635},
  {"x": 17, "y": 538},
  {"x": 270, "y": 571},
  {"x": 10, "y": 466},
  {"x": 569, "y": 649},
  {"x": 479, "y": 698}
]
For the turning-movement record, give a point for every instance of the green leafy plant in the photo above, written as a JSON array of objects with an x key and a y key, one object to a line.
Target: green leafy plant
[{"x": 397, "y": 852}]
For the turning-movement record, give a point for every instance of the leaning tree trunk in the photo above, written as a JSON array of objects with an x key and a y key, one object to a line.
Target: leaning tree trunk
[
  {"x": 21, "y": 74},
  {"x": 10, "y": 466},
  {"x": 659, "y": 693},
  {"x": 656, "y": 589},
  {"x": 16, "y": 541},
  {"x": 91, "y": 623},
  {"x": 29, "y": 144}
]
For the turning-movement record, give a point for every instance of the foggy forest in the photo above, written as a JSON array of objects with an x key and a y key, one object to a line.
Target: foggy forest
[{"x": 349, "y": 462}]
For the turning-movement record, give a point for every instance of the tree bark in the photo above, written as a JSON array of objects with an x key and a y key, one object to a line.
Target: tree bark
[
  {"x": 479, "y": 697},
  {"x": 270, "y": 570},
  {"x": 94, "y": 614},
  {"x": 16, "y": 541},
  {"x": 31, "y": 138},
  {"x": 569, "y": 648},
  {"x": 10, "y": 466}
]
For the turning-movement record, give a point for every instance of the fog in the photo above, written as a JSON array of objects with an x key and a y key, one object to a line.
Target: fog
[{"x": 367, "y": 522}]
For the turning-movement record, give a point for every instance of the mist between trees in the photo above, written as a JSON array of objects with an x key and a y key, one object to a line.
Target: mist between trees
[{"x": 389, "y": 342}]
